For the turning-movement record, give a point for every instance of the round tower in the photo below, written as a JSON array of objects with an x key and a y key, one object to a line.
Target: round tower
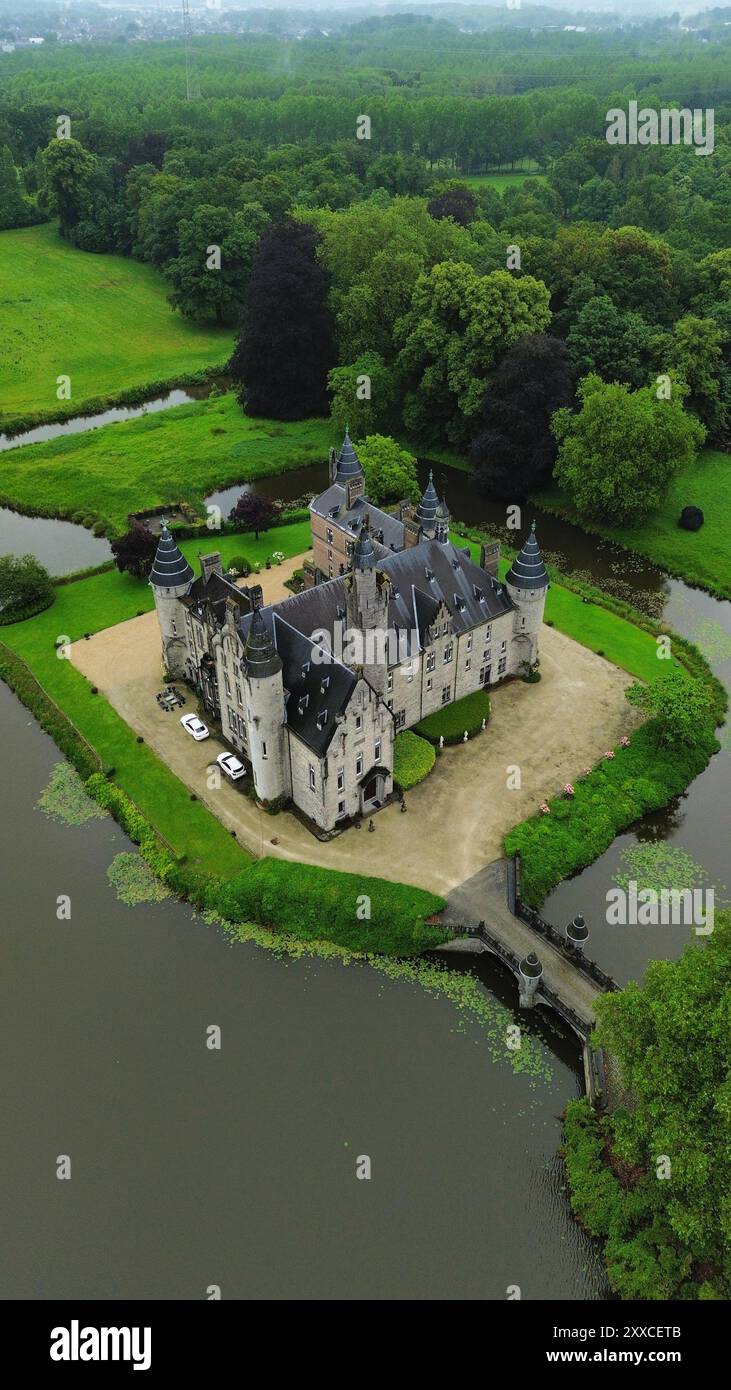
[
  {"x": 527, "y": 584},
  {"x": 170, "y": 579},
  {"x": 262, "y": 671}
]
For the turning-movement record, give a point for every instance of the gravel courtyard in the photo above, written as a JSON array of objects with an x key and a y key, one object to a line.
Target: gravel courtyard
[{"x": 456, "y": 818}]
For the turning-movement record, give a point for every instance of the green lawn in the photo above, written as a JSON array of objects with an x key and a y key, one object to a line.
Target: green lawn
[
  {"x": 702, "y": 557},
  {"x": 104, "y": 321},
  {"x": 502, "y": 181},
  {"x": 174, "y": 455},
  {"x": 99, "y": 602}
]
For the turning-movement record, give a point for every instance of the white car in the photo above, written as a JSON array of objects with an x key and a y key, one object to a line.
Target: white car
[
  {"x": 194, "y": 726},
  {"x": 231, "y": 765}
]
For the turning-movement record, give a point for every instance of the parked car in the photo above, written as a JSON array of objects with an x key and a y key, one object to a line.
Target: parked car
[
  {"x": 231, "y": 765},
  {"x": 194, "y": 726}
]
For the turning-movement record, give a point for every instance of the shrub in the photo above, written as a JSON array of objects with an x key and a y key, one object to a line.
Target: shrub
[
  {"x": 413, "y": 760},
  {"x": 240, "y": 563},
  {"x": 313, "y": 904},
  {"x": 25, "y": 588},
  {"x": 450, "y": 723}
]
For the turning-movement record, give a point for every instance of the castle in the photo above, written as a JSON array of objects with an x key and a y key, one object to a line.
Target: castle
[{"x": 312, "y": 691}]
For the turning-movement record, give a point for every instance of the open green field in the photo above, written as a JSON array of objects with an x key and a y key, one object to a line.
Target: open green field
[
  {"x": 502, "y": 181},
  {"x": 173, "y": 455},
  {"x": 104, "y": 321},
  {"x": 702, "y": 557}
]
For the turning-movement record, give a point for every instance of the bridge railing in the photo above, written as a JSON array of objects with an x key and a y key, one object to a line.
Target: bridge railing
[{"x": 543, "y": 928}]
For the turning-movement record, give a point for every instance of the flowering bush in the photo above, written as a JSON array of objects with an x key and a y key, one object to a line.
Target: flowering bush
[
  {"x": 625, "y": 742},
  {"x": 278, "y": 556},
  {"x": 568, "y": 789},
  {"x": 609, "y": 753},
  {"x": 545, "y": 809}
]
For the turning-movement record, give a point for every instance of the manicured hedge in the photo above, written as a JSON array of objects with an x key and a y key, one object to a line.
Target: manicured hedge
[
  {"x": 315, "y": 904},
  {"x": 413, "y": 759},
  {"x": 132, "y": 821},
  {"x": 19, "y": 615},
  {"x": 616, "y": 793},
  {"x": 450, "y": 722},
  {"x": 21, "y": 680}
]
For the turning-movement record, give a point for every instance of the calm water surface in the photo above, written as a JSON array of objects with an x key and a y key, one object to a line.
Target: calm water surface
[{"x": 191, "y": 1167}]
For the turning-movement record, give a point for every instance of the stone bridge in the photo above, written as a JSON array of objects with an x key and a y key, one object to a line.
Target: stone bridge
[{"x": 486, "y": 914}]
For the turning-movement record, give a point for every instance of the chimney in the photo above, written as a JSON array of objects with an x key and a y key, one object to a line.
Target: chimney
[
  {"x": 210, "y": 564},
  {"x": 489, "y": 556}
]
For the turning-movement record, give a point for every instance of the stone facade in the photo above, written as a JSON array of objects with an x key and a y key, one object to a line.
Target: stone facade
[{"x": 312, "y": 691}]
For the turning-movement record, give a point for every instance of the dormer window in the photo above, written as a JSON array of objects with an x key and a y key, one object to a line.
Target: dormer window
[
  {"x": 458, "y": 603},
  {"x": 304, "y": 701},
  {"x": 305, "y": 668},
  {"x": 324, "y": 684},
  {"x": 322, "y": 719},
  {"x": 478, "y": 593},
  {"x": 429, "y": 574}
]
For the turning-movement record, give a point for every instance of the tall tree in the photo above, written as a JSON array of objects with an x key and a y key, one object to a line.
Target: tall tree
[
  {"x": 67, "y": 173},
  {"x": 618, "y": 454},
  {"x": 15, "y": 209},
  {"x": 611, "y": 342},
  {"x": 253, "y": 512},
  {"x": 514, "y": 450},
  {"x": 210, "y": 276},
  {"x": 286, "y": 347}
]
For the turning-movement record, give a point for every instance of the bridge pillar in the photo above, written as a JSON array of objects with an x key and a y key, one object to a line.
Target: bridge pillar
[
  {"x": 577, "y": 935},
  {"x": 530, "y": 971}
]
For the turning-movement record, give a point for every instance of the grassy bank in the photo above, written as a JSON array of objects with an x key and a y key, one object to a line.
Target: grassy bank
[
  {"x": 702, "y": 557},
  {"x": 104, "y": 321},
  {"x": 174, "y": 455}
]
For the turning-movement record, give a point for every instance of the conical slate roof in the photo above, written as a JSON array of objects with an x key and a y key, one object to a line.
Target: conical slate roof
[
  {"x": 259, "y": 653},
  {"x": 364, "y": 556},
  {"x": 170, "y": 569},
  {"x": 348, "y": 461},
  {"x": 427, "y": 508},
  {"x": 528, "y": 570}
]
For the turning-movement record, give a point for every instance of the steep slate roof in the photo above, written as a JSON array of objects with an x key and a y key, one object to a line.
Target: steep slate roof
[
  {"x": 330, "y": 505},
  {"x": 214, "y": 591},
  {"x": 259, "y": 653},
  {"x": 364, "y": 556},
  {"x": 348, "y": 461},
  {"x": 437, "y": 572},
  {"x": 170, "y": 569},
  {"x": 427, "y": 508},
  {"x": 317, "y": 691},
  {"x": 528, "y": 570}
]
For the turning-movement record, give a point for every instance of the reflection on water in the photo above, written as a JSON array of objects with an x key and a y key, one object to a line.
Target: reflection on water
[
  {"x": 61, "y": 546},
  {"x": 191, "y": 1167}
]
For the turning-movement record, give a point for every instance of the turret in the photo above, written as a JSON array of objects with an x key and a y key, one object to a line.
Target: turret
[
  {"x": 265, "y": 711},
  {"x": 426, "y": 511},
  {"x": 349, "y": 473},
  {"x": 367, "y": 592},
  {"x": 170, "y": 579},
  {"x": 527, "y": 585},
  {"x": 441, "y": 523}
]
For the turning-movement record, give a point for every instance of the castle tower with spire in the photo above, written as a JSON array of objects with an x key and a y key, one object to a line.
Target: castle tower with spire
[
  {"x": 426, "y": 512},
  {"x": 265, "y": 712},
  {"x": 527, "y": 585},
  {"x": 170, "y": 579},
  {"x": 367, "y": 592}
]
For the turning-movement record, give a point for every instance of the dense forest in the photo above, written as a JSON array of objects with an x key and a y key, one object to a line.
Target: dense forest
[{"x": 578, "y": 288}]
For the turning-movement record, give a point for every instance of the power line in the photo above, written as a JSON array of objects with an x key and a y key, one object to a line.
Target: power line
[{"x": 192, "y": 80}]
